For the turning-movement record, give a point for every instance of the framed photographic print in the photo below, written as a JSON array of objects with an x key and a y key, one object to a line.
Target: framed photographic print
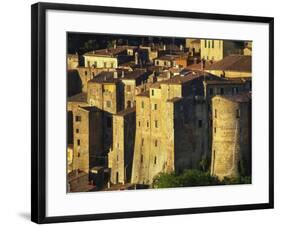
[{"x": 139, "y": 112}]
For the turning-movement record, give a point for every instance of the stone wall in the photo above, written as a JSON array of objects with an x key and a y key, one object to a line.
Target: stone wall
[{"x": 231, "y": 138}]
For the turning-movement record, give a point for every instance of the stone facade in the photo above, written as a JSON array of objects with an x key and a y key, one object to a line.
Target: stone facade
[
  {"x": 171, "y": 128},
  {"x": 120, "y": 157},
  {"x": 87, "y": 143},
  {"x": 231, "y": 143}
]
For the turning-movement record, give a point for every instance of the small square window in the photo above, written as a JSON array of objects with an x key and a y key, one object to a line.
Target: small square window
[
  {"x": 152, "y": 92},
  {"x": 216, "y": 114},
  {"x": 142, "y": 142},
  {"x": 156, "y": 123},
  {"x": 108, "y": 104},
  {"x": 77, "y": 131},
  {"x": 155, "y": 143},
  {"x": 139, "y": 123},
  {"x": 155, "y": 106},
  {"x": 78, "y": 118},
  {"x": 237, "y": 113},
  {"x": 78, "y": 142}
]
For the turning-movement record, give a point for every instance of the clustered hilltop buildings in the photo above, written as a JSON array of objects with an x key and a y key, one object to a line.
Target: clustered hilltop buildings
[{"x": 136, "y": 111}]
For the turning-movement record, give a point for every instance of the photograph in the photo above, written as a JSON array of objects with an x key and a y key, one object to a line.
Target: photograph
[{"x": 149, "y": 112}]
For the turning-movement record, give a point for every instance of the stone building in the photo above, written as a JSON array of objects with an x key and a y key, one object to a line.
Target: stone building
[
  {"x": 171, "y": 127},
  {"x": 231, "y": 139},
  {"x": 193, "y": 45},
  {"x": 233, "y": 66},
  {"x": 171, "y": 61},
  {"x": 87, "y": 142},
  {"x": 215, "y": 50},
  {"x": 105, "y": 93},
  {"x": 130, "y": 81},
  {"x": 72, "y": 61},
  {"x": 120, "y": 157}
]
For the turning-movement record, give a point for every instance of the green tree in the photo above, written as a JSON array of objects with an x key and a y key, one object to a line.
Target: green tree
[{"x": 186, "y": 179}]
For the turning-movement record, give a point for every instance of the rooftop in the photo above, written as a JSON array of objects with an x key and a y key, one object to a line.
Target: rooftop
[
  {"x": 132, "y": 75},
  {"x": 189, "y": 76},
  {"x": 80, "y": 97},
  {"x": 243, "y": 97},
  {"x": 104, "y": 77},
  {"x": 233, "y": 63}
]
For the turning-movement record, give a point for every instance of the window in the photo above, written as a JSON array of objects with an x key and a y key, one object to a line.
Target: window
[
  {"x": 152, "y": 92},
  {"x": 142, "y": 104},
  {"x": 222, "y": 91},
  {"x": 155, "y": 106},
  {"x": 128, "y": 88},
  {"x": 234, "y": 90},
  {"x": 78, "y": 142},
  {"x": 95, "y": 64},
  {"x": 141, "y": 158},
  {"x": 215, "y": 113},
  {"x": 209, "y": 44},
  {"x": 142, "y": 141},
  {"x": 200, "y": 123},
  {"x": 157, "y": 62},
  {"x": 78, "y": 118},
  {"x": 108, "y": 122},
  {"x": 155, "y": 160},
  {"x": 211, "y": 91},
  {"x": 128, "y": 104},
  {"x": 155, "y": 143},
  {"x": 139, "y": 123},
  {"x": 112, "y": 65},
  {"x": 237, "y": 113},
  {"x": 213, "y": 43},
  {"x": 205, "y": 43},
  {"x": 117, "y": 158},
  {"x": 86, "y": 72},
  {"x": 108, "y": 104},
  {"x": 78, "y": 154},
  {"x": 156, "y": 123},
  {"x": 215, "y": 129},
  {"x": 77, "y": 130},
  {"x": 104, "y": 64},
  {"x": 147, "y": 124}
]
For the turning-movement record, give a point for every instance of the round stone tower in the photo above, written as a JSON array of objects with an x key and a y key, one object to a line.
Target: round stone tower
[{"x": 231, "y": 138}]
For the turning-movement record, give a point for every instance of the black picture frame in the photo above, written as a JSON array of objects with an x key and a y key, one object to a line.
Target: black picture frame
[{"x": 38, "y": 110}]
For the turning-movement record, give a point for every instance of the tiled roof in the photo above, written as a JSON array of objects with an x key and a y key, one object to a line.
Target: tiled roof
[
  {"x": 233, "y": 63},
  {"x": 80, "y": 97}
]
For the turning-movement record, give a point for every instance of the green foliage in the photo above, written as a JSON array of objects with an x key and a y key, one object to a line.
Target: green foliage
[
  {"x": 192, "y": 177},
  {"x": 237, "y": 180},
  {"x": 186, "y": 179}
]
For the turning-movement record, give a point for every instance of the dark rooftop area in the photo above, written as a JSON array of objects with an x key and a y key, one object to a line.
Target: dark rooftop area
[
  {"x": 233, "y": 63},
  {"x": 80, "y": 97}
]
